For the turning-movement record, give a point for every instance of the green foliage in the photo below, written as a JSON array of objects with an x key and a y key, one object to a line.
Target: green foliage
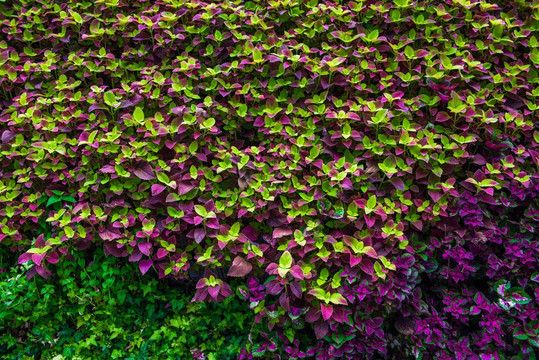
[{"x": 102, "y": 309}]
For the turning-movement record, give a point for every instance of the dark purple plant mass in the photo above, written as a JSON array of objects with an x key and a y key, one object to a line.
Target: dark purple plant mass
[{"x": 369, "y": 168}]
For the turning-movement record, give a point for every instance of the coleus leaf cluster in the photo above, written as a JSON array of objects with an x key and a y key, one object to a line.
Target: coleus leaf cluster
[{"x": 335, "y": 155}]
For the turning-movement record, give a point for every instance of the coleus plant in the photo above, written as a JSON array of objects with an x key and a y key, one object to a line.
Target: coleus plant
[{"x": 344, "y": 156}]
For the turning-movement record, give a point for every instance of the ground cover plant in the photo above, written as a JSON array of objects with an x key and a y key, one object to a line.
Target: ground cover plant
[
  {"x": 363, "y": 174},
  {"x": 98, "y": 308}
]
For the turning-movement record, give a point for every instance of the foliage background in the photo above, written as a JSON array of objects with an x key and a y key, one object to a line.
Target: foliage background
[{"x": 367, "y": 169}]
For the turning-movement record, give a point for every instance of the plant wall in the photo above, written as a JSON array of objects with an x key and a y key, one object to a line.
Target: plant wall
[{"x": 369, "y": 169}]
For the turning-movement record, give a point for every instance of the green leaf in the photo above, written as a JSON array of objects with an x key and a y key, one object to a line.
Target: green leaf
[
  {"x": 235, "y": 229},
  {"x": 208, "y": 124},
  {"x": 520, "y": 336},
  {"x": 176, "y": 214},
  {"x": 53, "y": 200},
  {"x": 488, "y": 183},
  {"x": 162, "y": 177},
  {"x": 378, "y": 270},
  {"x": 299, "y": 238},
  {"x": 320, "y": 294},
  {"x": 373, "y": 35},
  {"x": 519, "y": 296},
  {"x": 285, "y": 261},
  {"x": 409, "y": 52},
  {"x": 371, "y": 203},
  {"x": 401, "y": 3},
  {"x": 76, "y": 16},
  {"x": 339, "y": 213},
  {"x": 323, "y": 205},
  {"x": 189, "y": 119},
  {"x": 201, "y": 210},
  {"x": 338, "y": 299},
  {"x": 110, "y": 98},
  {"x": 69, "y": 232},
  {"x": 346, "y": 131},
  {"x": 257, "y": 55},
  {"x": 243, "y": 161},
  {"x": 314, "y": 152},
  {"x": 138, "y": 115},
  {"x": 92, "y": 136}
]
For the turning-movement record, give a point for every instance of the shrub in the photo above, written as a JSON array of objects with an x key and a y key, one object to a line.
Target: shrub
[
  {"x": 101, "y": 309},
  {"x": 369, "y": 168}
]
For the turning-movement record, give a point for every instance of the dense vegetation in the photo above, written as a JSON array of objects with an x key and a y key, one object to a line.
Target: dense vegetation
[
  {"x": 360, "y": 178},
  {"x": 103, "y": 309}
]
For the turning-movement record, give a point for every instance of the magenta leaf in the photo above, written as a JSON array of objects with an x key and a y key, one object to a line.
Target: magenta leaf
[
  {"x": 145, "y": 247},
  {"x": 145, "y": 265},
  {"x": 36, "y": 258},
  {"x": 184, "y": 188},
  {"x": 327, "y": 311},
  {"x": 157, "y": 189},
  {"x": 297, "y": 272},
  {"x": 213, "y": 291},
  {"x": 161, "y": 253}
]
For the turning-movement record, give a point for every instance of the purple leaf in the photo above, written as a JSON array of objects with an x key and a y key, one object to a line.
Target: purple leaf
[
  {"x": 135, "y": 256},
  {"x": 250, "y": 232},
  {"x": 284, "y": 301},
  {"x": 144, "y": 248},
  {"x": 312, "y": 315},
  {"x": 24, "y": 258},
  {"x": 367, "y": 266},
  {"x": 199, "y": 234},
  {"x": 397, "y": 183},
  {"x": 110, "y": 235},
  {"x": 178, "y": 110},
  {"x": 144, "y": 171},
  {"x": 157, "y": 189},
  {"x": 281, "y": 232},
  {"x": 41, "y": 270},
  {"x": 355, "y": 260},
  {"x": 52, "y": 258},
  {"x": 320, "y": 329},
  {"x": 442, "y": 116},
  {"x": 161, "y": 253},
  {"x": 436, "y": 196},
  {"x": 295, "y": 287},
  {"x": 145, "y": 265},
  {"x": 297, "y": 272},
  {"x": 213, "y": 291},
  {"x": 112, "y": 248},
  {"x": 273, "y": 288},
  {"x": 240, "y": 267},
  {"x": 7, "y": 136},
  {"x": 226, "y": 291},
  {"x": 108, "y": 169}
]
